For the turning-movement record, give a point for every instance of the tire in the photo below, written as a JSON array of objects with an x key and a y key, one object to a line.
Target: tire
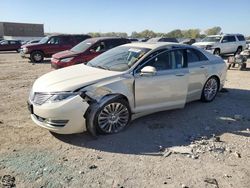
[
  {"x": 217, "y": 51},
  {"x": 210, "y": 89},
  {"x": 239, "y": 49},
  {"x": 37, "y": 56},
  {"x": 111, "y": 117}
]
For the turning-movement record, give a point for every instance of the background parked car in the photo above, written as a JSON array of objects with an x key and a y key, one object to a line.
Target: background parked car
[
  {"x": 188, "y": 41},
  {"x": 223, "y": 44},
  {"x": 85, "y": 51},
  {"x": 10, "y": 45},
  {"x": 50, "y": 45},
  {"x": 163, "y": 39},
  {"x": 133, "y": 40}
]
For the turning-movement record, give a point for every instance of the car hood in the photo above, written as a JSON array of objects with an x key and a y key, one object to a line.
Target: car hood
[
  {"x": 71, "y": 78},
  {"x": 203, "y": 43},
  {"x": 65, "y": 54},
  {"x": 32, "y": 45}
]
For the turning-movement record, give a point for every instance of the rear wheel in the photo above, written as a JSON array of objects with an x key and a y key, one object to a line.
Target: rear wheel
[
  {"x": 210, "y": 89},
  {"x": 239, "y": 50},
  {"x": 37, "y": 56}
]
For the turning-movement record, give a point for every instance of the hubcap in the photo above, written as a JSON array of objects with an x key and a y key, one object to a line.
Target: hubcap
[
  {"x": 211, "y": 88},
  {"x": 113, "y": 118},
  {"x": 37, "y": 57}
]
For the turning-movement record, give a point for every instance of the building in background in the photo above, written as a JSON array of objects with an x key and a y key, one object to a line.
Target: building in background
[{"x": 21, "y": 31}]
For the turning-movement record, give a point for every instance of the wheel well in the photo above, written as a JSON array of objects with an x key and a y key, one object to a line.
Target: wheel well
[
  {"x": 217, "y": 49},
  {"x": 239, "y": 47},
  {"x": 117, "y": 96},
  {"x": 37, "y": 51},
  {"x": 217, "y": 78}
]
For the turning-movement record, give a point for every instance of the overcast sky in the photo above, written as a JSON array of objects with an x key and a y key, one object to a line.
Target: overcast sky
[{"x": 81, "y": 16}]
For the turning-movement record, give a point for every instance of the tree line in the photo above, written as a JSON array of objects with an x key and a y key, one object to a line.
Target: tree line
[{"x": 177, "y": 33}]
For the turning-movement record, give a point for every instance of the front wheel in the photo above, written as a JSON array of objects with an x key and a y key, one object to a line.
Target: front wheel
[
  {"x": 210, "y": 90},
  {"x": 112, "y": 117},
  {"x": 37, "y": 56}
]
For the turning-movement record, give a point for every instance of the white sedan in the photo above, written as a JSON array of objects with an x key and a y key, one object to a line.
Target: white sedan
[{"x": 122, "y": 84}]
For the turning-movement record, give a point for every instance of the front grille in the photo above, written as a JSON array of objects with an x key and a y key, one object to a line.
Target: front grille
[{"x": 40, "y": 98}]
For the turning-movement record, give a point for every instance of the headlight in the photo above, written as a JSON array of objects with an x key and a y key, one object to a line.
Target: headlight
[
  {"x": 41, "y": 98},
  {"x": 209, "y": 47},
  {"x": 25, "y": 50},
  {"x": 66, "y": 60}
]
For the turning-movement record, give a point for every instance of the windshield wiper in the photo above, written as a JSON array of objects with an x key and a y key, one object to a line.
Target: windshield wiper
[{"x": 100, "y": 67}]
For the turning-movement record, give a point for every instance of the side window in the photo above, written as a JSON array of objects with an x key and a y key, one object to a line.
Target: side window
[
  {"x": 231, "y": 38},
  {"x": 195, "y": 56},
  {"x": 13, "y": 42},
  {"x": 65, "y": 40},
  {"x": 99, "y": 47},
  {"x": 4, "y": 42},
  {"x": 112, "y": 43},
  {"x": 179, "y": 59},
  {"x": 241, "y": 38},
  {"x": 54, "y": 40},
  {"x": 225, "y": 39},
  {"x": 192, "y": 57},
  {"x": 161, "y": 62}
]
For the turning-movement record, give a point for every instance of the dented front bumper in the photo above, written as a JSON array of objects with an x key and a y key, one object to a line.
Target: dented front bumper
[{"x": 64, "y": 117}]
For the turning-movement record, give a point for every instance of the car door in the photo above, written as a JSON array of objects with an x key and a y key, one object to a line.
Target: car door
[
  {"x": 13, "y": 45},
  {"x": 197, "y": 66},
  {"x": 53, "y": 46},
  {"x": 66, "y": 43},
  {"x": 228, "y": 44},
  {"x": 224, "y": 47},
  {"x": 167, "y": 88},
  {"x": 232, "y": 44}
]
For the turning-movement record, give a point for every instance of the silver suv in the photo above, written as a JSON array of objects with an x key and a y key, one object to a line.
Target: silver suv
[{"x": 223, "y": 44}]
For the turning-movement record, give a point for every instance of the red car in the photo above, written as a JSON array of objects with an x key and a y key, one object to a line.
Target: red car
[
  {"x": 10, "y": 45},
  {"x": 50, "y": 45},
  {"x": 85, "y": 51}
]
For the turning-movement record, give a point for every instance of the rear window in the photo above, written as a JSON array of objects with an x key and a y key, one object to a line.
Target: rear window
[{"x": 241, "y": 38}]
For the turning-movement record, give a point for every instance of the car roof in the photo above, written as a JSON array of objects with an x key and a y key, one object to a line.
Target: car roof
[
  {"x": 154, "y": 45},
  {"x": 96, "y": 39}
]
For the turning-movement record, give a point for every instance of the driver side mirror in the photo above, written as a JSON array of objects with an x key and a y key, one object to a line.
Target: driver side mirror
[
  {"x": 224, "y": 41},
  {"x": 148, "y": 71}
]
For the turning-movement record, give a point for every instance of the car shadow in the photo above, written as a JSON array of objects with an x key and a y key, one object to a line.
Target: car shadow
[
  {"x": 8, "y": 52},
  {"x": 46, "y": 61},
  {"x": 175, "y": 127}
]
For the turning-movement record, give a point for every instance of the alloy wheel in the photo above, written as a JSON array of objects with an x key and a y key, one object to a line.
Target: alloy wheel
[
  {"x": 210, "y": 89},
  {"x": 37, "y": 57},
  {"x": 113, "y": 117}
]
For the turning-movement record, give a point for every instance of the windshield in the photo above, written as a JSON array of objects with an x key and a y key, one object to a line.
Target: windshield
[
  {"x": 81, "y": 47},
  {"x": 211, "y": 39},
  {"x": 118, "y": 59},
  {"x": 44, "y": 40}
]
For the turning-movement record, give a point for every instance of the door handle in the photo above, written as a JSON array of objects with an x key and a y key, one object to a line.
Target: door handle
[
  {"x": 180, "y": 74},
  {"x": 202, "y": 67}
]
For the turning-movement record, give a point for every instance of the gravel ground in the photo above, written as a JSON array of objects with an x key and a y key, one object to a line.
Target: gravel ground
[{"x": 202, "y": 145}]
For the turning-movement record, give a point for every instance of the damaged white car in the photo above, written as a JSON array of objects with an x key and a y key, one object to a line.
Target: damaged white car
[{"x": 124, "y": 83}]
